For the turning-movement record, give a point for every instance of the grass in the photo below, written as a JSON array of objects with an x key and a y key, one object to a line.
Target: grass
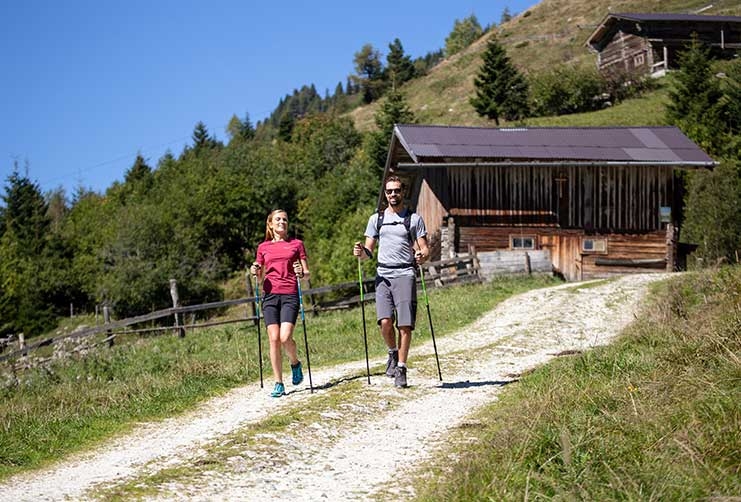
[
  {"x": 654, "y": 416},
  {"x": 73, "y": 404},
  {"x": 554, "y": 32}
]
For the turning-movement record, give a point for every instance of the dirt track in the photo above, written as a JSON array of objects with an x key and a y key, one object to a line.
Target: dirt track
[{"x": 342, "y": 441}]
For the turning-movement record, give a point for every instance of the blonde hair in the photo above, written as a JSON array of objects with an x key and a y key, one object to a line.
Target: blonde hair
[{"x": 269, "y": 235}]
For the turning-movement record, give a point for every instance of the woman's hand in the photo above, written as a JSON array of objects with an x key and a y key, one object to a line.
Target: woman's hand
[
  {"x": 298, "y": 269},
  {"x": 255, "y": 269}
]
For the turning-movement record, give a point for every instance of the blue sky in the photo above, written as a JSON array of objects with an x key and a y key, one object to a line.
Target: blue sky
[{"x": 86, "y": 85}]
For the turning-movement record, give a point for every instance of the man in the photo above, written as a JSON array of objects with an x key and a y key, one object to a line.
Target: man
[{"x": 399, "y": 231}]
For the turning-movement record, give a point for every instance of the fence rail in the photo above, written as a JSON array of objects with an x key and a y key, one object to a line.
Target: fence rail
[{"x": 458, "y": 270}]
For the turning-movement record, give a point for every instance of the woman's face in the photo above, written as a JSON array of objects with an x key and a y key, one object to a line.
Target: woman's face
[{"x": 279, "y": 223}]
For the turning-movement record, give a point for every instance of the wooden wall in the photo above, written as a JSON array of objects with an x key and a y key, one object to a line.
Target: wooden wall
[
  {"x": 620, "y": 54},
  {"x": 625, "y": 253},
  {"x": 607, "y": 198}
]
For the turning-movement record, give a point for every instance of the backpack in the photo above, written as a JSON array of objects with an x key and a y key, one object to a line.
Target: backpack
[{"x": 407, "y": 224}]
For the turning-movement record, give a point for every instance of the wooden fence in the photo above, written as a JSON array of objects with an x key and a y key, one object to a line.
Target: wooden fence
[{"x": 460, "y": 270}]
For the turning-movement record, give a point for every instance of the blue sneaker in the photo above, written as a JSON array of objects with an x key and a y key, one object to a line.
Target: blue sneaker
[
  {"x": 297, "y": 376},
  {"x": 279, "y": 390}
]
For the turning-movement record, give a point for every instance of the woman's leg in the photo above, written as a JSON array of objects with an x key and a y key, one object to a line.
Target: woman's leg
[
  {"x": 276, "y": 356},
  {"x": 286, "y": 339}
]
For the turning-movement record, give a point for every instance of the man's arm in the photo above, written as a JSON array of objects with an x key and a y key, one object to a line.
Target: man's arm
[
  {"x": 364, "y": 251},
  {"x": 422, "y": 253}
]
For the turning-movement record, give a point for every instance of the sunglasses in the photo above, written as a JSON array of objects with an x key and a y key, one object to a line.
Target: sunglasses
[{"x": 389, "y": 191}]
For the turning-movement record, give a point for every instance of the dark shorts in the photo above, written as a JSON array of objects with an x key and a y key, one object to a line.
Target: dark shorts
[
  {"x": 396, "y": 298},
  {"x": 277, "y": 309}
]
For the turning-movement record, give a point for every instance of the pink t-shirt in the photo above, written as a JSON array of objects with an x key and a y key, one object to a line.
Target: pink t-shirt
[{"x": 277, "y": 259}]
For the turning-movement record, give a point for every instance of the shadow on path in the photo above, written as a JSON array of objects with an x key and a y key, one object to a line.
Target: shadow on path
[{"x": 468, "y": 384}]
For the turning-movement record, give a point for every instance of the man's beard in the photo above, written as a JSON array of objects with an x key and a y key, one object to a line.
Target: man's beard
[{"x": 394, "y": 204}]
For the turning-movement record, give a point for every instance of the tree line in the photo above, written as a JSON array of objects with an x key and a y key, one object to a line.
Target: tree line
[{"x": 197, "y": 217}]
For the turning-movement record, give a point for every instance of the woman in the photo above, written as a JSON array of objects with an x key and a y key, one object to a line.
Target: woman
[{"x": 280, "y": 259}]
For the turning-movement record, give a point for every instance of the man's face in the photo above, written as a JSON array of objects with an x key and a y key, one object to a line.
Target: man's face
[{"x": 394, "y": 194}]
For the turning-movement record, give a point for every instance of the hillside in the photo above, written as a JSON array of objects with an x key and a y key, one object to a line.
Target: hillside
[{"x": 551, "y": 31}]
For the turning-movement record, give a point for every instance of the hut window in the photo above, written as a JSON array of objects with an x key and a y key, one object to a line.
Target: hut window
[
  {"x": 522, "y": 242},
  {"x": 638, "y": 60},
  {"x": 594, "y": 246}
]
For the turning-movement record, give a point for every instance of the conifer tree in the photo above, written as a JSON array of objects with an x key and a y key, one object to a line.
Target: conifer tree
[
  {"x": 501, "y": 90},
  {"x": 399, "y": 66},
  {"x": 394, "y": 110},
  {"x": 506, "y": 16},
  {"x": 26, "y": 227},
  {"x": 201, "y": 137},
  {"x": 694, "y": 99}
]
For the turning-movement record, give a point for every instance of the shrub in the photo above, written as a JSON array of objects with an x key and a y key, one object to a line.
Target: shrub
[{"x": 566, "y": 90}]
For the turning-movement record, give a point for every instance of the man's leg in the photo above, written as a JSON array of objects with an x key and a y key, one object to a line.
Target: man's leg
[{"x": 405, "y": 334}]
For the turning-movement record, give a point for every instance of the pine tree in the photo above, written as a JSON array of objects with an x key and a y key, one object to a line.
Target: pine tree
[
  {"x": 501, "y": 90},
  {"x": 506, "y": 16},
  {"x": 694, "y": 99},
  {"x": 399, "y": 66},
  {"x": 26, "y": 226},
  {"x": 394, "y": 110},
  {"x": 201, "y": 138}
]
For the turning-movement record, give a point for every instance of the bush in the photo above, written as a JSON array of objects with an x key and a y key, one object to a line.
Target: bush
[{"x": 566, "y": 90}]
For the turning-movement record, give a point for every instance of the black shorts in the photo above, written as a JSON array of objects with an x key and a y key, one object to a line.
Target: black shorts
[{"x": 277, "y": 309}]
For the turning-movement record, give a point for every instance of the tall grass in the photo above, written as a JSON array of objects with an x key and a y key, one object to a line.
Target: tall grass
[
  {"x": 654, "y": 416},
  {"x": 75, "y": 403}
]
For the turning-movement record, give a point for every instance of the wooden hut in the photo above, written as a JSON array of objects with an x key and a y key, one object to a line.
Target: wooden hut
[
  {"x": 648, "y": 44},
  {"x": 591, "y": 201}
]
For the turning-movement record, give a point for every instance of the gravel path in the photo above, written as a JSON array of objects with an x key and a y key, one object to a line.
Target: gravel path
[{"x": 342, "y": 441}]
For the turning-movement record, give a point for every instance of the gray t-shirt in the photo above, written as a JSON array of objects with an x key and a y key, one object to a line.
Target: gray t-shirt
[{"x": 394, "y": 246}]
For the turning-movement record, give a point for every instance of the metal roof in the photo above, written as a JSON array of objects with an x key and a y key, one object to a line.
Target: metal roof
[
  {"x": 446, "y": 144},
  {"x": 662, "y": 16},
  {"x": 598, "y": 37}
]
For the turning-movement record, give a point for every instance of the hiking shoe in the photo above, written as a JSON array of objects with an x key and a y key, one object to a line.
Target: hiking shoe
[
  {"x": 297, "y": 376},
  {"x": 391, "y": 363},
  {"x": 400, "y": 379},
  {"x": 279, "y": 390}
]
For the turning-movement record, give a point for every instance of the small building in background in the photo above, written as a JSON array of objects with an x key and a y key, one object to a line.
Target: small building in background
[
  {"x": 648, "y": 43},
  {"x": 583, "y": 202}
]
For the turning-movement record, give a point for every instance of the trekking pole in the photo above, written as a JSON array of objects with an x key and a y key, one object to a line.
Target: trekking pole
[
  {"x": 259, "y": 336},
  {"x": 362, "y": 308},
  {"x": 303, "y": 322},
  {"x": 429, "y": 317}
]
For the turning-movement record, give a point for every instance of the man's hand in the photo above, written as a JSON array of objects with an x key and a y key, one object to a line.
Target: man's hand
[{"x": 420, "y": 257}]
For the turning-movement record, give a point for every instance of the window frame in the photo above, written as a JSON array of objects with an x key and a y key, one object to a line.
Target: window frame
[{"x": 533, "y": 239}]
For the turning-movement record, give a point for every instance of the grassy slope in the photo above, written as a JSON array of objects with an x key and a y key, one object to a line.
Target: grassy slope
[
  {"x": 654, "y": 416},
  {"x": 553, "y": 31}
]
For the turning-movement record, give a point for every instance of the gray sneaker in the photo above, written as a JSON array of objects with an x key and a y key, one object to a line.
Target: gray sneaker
[
  {"x": 400, "y": 379},
  {"x": 393, "y": 360}
]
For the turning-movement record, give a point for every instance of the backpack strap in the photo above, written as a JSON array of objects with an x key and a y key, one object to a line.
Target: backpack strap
[{"x": 407, "y": 224}]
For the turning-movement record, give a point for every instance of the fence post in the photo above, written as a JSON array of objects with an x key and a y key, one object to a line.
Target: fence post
[
  {"x": 107, "y": 320},
  {"x": 175, "y": 304},
  {"x": 22, "y": 343}
]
